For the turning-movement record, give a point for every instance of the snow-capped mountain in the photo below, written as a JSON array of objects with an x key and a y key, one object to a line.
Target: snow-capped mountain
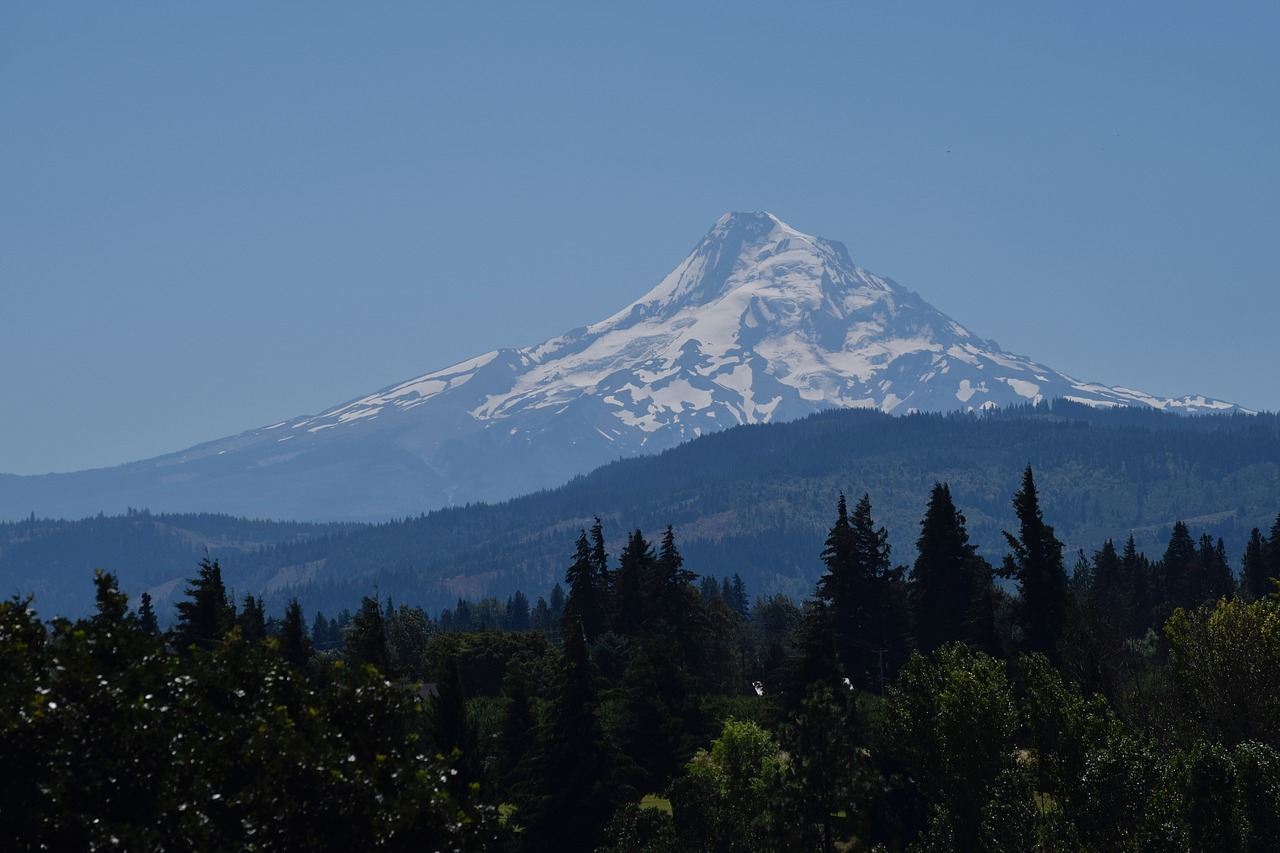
[{"x": 759, "y": 323}]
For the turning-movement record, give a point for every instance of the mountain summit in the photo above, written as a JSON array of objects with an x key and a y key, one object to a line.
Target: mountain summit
[{"x": 759, "y": 323}]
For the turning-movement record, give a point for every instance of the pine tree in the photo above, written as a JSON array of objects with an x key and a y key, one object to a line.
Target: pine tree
[
  {"x": 575, "y": 763},
  {"x": 207, "y": 615},
  {"x": 1271, "y": 556},
  {"x": 295, "y": 646},
  {"x": 938, "y": 576},
  {"x": 112, "y": 604},
  {"x": 861, "y": 589},
  {"x": 1214, "y": 570},
  {"x": 1035, "y": 561},
  {"x": 603, "y": 577},
  {"x": 1112, "y": 588},
  {"x": 449, "y": 709},
  {"x": 516, "y": 739},
  {"x": 738, "y": 600},
  {"x": 556, "y": 604},
  {"x": 147, "y": 615},
  {"x": 1181, "y": 570},
  {"x": 632, "y": 607},
  {"x": 671, "y": 589},
  {"x": 321, "y": 628},
  {"x": 1137, "y": 569},
  {"x": 812, "y": 658},
  {"x": 951, "y": 592},
  {"x": 366, "y": 640},
  {"x": 1254, "y": 583},
  {"x": 252, "y": 621},
  {"x": 584, "y": 602},
  {"x": 518, "y": 611}
]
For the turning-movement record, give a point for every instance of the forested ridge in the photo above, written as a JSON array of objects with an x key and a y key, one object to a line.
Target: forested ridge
[
  {"x": 918, "y": 697},
  {"x": 753, "y": 501}
]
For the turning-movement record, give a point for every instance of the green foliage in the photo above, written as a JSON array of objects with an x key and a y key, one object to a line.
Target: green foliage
[
  {"x": 206, "y": 615},
  {"x": 951, "y": 595},
  {"x": 1093, "y": 777},
  {"x": 865, "y": 594},
  {"x": 721, "y": 802},
  {"x": 822, "y": 785},
  {"x": 238, "y": 742},
  {"x": 953, "y": 723},
  {"x": 1225, "y": 661},
  {"x": 1101, "y": 474},
  {"x": 109, "y": 740},
  {"x": 295, "y": 646},
  {"x": 1035, "y": 562},
  {"x": 366, "y": 639}
]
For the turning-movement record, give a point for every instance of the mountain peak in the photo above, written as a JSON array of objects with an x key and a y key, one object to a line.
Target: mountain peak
[
  {"x": 734, "y": 249},
  {"x": 739, "y": 233},
  {"x": 759, "y": 323},
  {"x": 747, "y": 224}
]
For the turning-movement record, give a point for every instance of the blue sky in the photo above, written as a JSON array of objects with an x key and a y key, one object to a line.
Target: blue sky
[{"x": 217, "y": 216}]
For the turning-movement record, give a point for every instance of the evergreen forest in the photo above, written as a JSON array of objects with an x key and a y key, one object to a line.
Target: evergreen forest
[
  {"x": 754, "y": 501},
  {"x": 924, "y": 696}
]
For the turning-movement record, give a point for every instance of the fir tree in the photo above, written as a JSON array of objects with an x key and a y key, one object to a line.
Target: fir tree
[
  {"x": 1141, "y": 577},
  {"x": 813, "y": 658},
  {"x": 672, "y": 590},
  {"x": 575, "y": 764},
  {"x": 1271, "y": 556},
  {"x": 603, "y": 577},
  {"x": 1035, "y": 561},
  {"x": 366, "y": 639},
  {"x": 1112, "y": 587},
  {"x": 147, "y": 615},
  {"x": 207, "y": 615},
  {"x": 556, "y": 603},
  {"x": 1254, "y": 582},
  {"x": 1214, "y": 569},
  {"x": 632, "y": 607},
  {"x": 449, "y": 709},
  {"x": 1181, "y": 570},
  {"x": 861, "y": 589},
  {"x": 112, "y": 604},
  {"x": 738, "y": 596},
  {"x": 584, "y": 601},
  {"x": 518, "y": 612},
  {"x": 295, "y": 646},
  {"x": 251, "y": 620},
  {"x": 951, "y": 593}
]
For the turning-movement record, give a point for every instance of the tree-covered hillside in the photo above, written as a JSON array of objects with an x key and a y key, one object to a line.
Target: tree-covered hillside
[
  {"x": 1129, "y": 704},
  {"x": 754, "y": 501}
]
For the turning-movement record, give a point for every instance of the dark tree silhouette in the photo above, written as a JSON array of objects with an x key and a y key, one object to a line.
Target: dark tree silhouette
[{"x": 1035, "y": 561}]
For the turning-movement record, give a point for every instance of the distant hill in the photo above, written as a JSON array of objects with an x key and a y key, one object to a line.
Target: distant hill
[{"x": 755, "y": 500}]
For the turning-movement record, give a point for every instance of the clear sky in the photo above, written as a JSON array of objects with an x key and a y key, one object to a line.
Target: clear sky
[{"x": 216, "y": 216}]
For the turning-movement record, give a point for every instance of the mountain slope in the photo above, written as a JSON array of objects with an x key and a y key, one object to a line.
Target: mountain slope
[
  {"x": 759, "y": 323},
  {"x": 1101, "y": 473}
]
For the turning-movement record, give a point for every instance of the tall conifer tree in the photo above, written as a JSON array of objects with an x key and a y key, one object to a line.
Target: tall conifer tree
[
  {"x": 1254, "y": 583},
  {"x": 862, "y": 591},
  {"x": 584, "y": 602},
  {"x": 1271, "y": 556},
  {"x": 1035, "y": 561},
  {"x": 632, "y": 606},
  {"x": 366, "y": 640},
  {"x": 1215, "y": 570},
  {"x": 1181, "y": 570},
  {"x": 295, "y": 646},
  {"x": 207, "y": 615},
  {"x": 951, "y": 593},
  {"x": 575, "y": 765}
]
